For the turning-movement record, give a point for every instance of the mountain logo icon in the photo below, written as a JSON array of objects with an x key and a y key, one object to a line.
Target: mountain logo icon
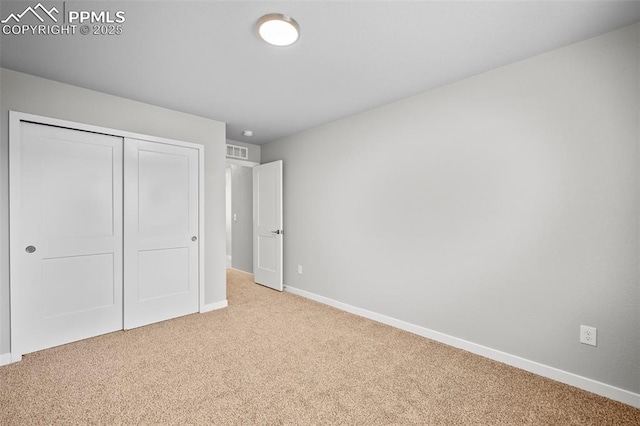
[{"x": 34, "y": 11}]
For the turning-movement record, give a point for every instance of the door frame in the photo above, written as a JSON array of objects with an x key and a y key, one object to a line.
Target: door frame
[
  {"x": 239, "y": 163},
  {"x": 15, "y": 137}
]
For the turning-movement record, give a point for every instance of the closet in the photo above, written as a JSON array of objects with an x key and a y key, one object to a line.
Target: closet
[{"x": 104, "y": 231}]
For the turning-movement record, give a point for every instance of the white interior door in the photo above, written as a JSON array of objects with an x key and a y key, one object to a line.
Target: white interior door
[
  {"x": 66, "y": 236},
  {"x": 267, "y": 224},
  {"x": 161, "y": 232}
]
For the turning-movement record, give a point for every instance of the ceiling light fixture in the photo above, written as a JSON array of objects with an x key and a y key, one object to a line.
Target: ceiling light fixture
[
  {"x": 247, "y": 133},
  {"x": 278, "y": 29}
]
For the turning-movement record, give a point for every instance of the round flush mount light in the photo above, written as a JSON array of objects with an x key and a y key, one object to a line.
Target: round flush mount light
[
  {"x": 247, "y": 133},
  {"x": 278, "y": 29}
]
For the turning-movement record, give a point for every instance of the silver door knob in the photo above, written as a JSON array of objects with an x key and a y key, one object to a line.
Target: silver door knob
[
  {"x": 194, "y": 238},
  {"x": 30, "y": 249}
]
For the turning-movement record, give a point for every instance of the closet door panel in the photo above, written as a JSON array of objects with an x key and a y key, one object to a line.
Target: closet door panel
[
  {"x": 67, "y": 238},
  {"x": 161, "y": 232}
]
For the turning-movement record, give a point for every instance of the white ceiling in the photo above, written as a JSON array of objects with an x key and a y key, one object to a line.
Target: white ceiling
[{"x": 204, "y": 58}]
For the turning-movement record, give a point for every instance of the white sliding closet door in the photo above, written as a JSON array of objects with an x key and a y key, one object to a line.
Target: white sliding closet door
[
  {"x": 66, "y": 241},
  {"x": 160, "y": 232}
]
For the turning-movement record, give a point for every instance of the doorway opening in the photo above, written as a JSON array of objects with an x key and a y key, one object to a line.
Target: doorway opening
[{"x": 239, "y": 215}]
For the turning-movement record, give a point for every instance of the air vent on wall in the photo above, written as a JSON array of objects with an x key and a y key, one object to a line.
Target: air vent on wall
[{"x": 235, "y": 151}]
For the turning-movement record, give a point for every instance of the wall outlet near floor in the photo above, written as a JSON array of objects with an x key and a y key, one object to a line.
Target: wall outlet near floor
[
  {"x": 588, "y": 335},
  {"x": 300, "y": 269}
]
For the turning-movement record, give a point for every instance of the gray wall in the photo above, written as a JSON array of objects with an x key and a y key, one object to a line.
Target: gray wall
[
  {"x": 253, "y": 150},
  {"x": 25, "y": 93},
  {"x": 502, "y": 209},
  {"x": 242, "y": 227}
]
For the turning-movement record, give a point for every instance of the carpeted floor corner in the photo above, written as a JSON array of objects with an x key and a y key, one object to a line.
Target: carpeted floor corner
[{"x": 273, "y": 358}]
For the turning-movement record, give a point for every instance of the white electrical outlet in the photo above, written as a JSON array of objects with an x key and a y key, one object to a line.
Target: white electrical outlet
[
  {"x": 300, "y": 269},
  {"x": 588, "y": 335}
]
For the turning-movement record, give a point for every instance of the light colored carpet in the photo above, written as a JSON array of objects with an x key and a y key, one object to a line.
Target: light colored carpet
[{"x": 275, "y": 358}]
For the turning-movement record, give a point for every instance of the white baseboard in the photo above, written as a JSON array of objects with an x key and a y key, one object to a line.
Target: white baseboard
[
  {"x": 562, "y": 376},
  {"x": 5, "y": 358},
  {"x": 240, "y": 270},
  {"x": 213, "y": 306}
]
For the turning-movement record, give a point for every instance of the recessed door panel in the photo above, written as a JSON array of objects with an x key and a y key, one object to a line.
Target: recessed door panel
[
  {"x": 66, "y": 236},
  {"x": 77, "y": 189},
  {"x": 163, "y": 273},
  {"x": 77, "y": 284},
  {"x": 163, "y": 195},
  {"x": 267, "y": 249},
  {"x": 267, "y": 182},
  {"x": 161, "y": 232}
]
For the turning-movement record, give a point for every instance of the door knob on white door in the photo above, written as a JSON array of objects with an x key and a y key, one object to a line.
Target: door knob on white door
[
  {"x": 279, "y": 231},
  {"x": 194, "y": 238},
  {"x": 30, "y": 249}
]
